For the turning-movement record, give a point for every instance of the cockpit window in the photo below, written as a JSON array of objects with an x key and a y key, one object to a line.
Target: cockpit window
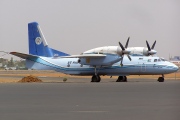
[
  {"x": 162, "y": 60},
  {"x": 155, "y": 60}
]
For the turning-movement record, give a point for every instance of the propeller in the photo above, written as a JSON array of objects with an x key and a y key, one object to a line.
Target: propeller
[
  {"x": 124, "y": 51},
  {"x": 151, "y": 50}
]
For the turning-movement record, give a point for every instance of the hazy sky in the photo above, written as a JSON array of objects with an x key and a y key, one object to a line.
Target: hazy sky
[{"x": 74, "y": 26}]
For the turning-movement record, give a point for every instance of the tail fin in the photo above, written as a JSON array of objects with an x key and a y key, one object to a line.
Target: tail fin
[{"x": 37, "y": 43}]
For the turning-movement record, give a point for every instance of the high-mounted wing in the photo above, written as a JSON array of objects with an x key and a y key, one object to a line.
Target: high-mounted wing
[{"x": 96, "y": 59}]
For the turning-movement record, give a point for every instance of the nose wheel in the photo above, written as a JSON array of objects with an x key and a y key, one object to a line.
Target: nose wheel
[{"x": 161, "y": 79}]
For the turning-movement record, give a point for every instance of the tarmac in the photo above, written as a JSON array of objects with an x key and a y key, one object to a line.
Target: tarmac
[
  {"x": 134, "y": 100},
  {"x": 78, "y": 98}
]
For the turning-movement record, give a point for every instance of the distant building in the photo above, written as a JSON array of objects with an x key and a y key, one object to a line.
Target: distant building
[{"x": 175, "y": 60}]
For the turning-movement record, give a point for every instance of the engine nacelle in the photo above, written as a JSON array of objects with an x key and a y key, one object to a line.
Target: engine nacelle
[
  {"x": 117, "y": 50},
  {"x": 141, "y": 51}
]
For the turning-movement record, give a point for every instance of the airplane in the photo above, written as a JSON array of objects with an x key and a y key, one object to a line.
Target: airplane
[{"x": 108, "y": 60}]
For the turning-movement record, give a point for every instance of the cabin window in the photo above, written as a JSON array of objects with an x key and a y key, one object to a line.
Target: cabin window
[
  {"x": 155, "y": 60},
  {"x": 149, "y": 60},
  {"x": 159, "y": 60},
  {"x": 140, "y": 58}
]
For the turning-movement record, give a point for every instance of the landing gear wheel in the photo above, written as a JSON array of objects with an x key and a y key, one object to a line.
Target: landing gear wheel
[
  {"x": 125, "y": 79},
  {"x": 96, "y": 78},
  {"x": 99, "y": 78},
  {"x": 160, "y": 79},
  {"x": 122, "y": 79}
]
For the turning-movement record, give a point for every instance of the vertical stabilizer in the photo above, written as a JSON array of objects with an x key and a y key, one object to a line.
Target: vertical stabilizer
[{"x": 38, "y": 44}]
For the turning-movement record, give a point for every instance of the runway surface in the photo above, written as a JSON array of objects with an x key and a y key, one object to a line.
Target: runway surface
[{"x": 149, "y": 100}]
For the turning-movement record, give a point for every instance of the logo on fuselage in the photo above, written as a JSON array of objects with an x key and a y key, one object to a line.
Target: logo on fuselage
[{"x": 38, "y": 40}]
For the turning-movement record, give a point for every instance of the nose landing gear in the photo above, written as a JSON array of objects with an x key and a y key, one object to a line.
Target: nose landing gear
[{"x": 161, "y": 79}]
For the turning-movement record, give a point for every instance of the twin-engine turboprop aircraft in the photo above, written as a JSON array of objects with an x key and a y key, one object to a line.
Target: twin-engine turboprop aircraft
[{"x": 109, "y": 60}]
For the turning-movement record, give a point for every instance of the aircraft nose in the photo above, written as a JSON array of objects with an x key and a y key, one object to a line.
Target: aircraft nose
[{"x": 176, "y": 68}]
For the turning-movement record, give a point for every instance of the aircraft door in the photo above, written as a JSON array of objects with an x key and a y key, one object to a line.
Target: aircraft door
[{"x": 143, "y": 67}]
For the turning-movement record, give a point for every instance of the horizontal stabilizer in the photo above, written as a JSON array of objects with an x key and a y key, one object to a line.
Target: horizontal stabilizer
[
  {"x": 85, "y": 56},
  {"x": 23, "y": 55}
]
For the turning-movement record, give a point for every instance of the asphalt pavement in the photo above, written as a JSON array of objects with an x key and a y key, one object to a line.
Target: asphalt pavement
[{"x": 91, "y": 101}]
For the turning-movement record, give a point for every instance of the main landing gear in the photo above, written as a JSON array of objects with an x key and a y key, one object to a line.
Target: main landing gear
[
  {"x": 96, "y": 77},
  {"x": 161, "y": 79},
  {"x": 122, "y": 79}
]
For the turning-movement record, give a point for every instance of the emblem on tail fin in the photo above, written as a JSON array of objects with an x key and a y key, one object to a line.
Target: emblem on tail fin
[{"x": 38, "y": 40}]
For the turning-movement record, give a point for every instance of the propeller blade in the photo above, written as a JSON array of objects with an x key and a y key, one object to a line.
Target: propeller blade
[
  {"x": 129, "y": 57},
  {"x": 122, "y": 47},
  {"x": 124, "y": 51},
  {"x": 149, "y": 49},
  {"x": 127, "y": 42},
  {"x": 153, "y": 44}
]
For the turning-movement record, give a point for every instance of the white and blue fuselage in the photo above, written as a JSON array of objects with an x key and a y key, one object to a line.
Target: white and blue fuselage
[{"x": 137, "y": 66}]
